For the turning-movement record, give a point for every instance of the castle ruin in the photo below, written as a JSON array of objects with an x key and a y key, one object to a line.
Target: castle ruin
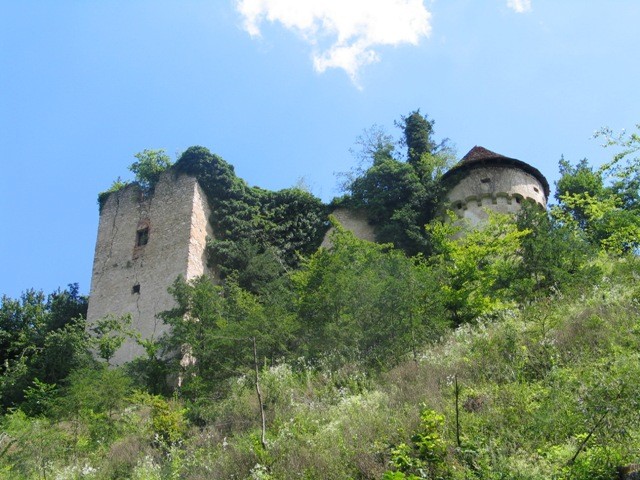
[
  {"x": 146, "y": 240},
  {"x": 485, "y": 181}
]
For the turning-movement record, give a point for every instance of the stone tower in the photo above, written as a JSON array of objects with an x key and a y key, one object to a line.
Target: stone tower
[
  {"x": 144, "y": 243},
  {"x": 484, "y": 180}
]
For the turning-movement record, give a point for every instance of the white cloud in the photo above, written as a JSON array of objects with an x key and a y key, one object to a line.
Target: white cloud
[
  {"x": 520, "y": 6},
  {"x": 343, "y": 33}
]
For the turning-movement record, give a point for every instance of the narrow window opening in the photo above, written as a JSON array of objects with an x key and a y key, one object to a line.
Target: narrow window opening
[
  {"x": 135, "y": 289},
  {"x": 517, "y": 199},
  {"x": 486, "y": 180},
  {"x": 459, "y": 206},
  {"x": 142, "y": 237},
  {"x": 536, "y": 189}
]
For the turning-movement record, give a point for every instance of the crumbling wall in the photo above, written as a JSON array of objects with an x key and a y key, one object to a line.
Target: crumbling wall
[
  {"x": 354, "y": 221},
  {"x": 144, "y": 243}
]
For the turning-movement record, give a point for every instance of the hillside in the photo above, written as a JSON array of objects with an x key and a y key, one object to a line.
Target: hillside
[
  {"x": 537, "y": 386},
  {"x": 508, "y": 351}
]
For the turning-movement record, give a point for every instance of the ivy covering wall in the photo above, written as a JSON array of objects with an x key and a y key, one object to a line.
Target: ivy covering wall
[{"x": 259, "y": 233}]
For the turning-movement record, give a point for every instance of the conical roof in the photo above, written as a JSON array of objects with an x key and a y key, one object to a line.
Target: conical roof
[{"x": 483, "y": 157}]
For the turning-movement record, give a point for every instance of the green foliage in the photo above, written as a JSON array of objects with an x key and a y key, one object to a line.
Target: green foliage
[
  {"x": 116, "y": 186},
  {"x": 38, "y": 397},
  {"x": 401, "y": 197},
  {"x": 42, "y": 338},
  {"x": 257, "y": 231},
  {"x": 218, "y": 323},
  {"x": 110, "y": 333},
  {"x": 168, "y": 424},
  {"x": 360, "y": 301},
  {"x": 34, "y": 444},
  {"x": 426, "y": 456},
  {"x": 553, "y": 380},
  {"x": 555, "y": 256},
  {"x": 604, "y": 203},
  {"x": 605, "y": 223},
  {"x": 624, "y": 168},
  {"x": 151, "y": 370},
  {"x": 149, "y": 166},
  {"x": 418, "y": 132},
  {"x": 92, "y": 399},
  {"x": 355, "y": 360},
  {"x": 476, "y": 269}
]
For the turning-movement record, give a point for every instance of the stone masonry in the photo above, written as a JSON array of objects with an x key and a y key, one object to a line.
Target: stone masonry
[
  {"x": 144, "y": 243},
  {"x": 486, "y": 181}
]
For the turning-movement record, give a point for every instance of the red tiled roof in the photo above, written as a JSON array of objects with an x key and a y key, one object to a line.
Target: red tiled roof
[{"x": 480, "y": 153}]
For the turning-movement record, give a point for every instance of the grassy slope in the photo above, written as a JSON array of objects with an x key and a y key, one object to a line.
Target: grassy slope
[{"x": 534, "y": 385}]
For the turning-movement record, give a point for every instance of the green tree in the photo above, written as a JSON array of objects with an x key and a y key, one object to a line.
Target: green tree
[
  {"x": 214, "y": 325},
  {"x": 604, "y": 203},
  {"x": 360, "y": 301},
  {"x": 42, "y": 338},
  {"x": 624, "y": 168},
  {"x": 91, "y": 398},
  {"x": 476, "y": 269},
  {"x": 110, "y": 333},
  {"x": 555, "y": 257},
  {"x": 418, "y": 132},
  {"x": 400, "y": 197},
  {"x": 149, "y": 166},
  {"x": 251, "y": 224},
  {"x": 576, "y": 181}
]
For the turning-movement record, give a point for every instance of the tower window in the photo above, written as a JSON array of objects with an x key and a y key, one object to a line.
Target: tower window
[
  {"x": 135, "y": 289},
  {"x": 486, "y": 180},
  {"x": 536, "y": 189},
  {"x": 142, "y": 237}
]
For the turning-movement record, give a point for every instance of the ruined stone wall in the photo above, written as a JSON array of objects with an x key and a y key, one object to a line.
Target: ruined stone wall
[
  {"x": 498, "y": 188},
  {"x": 354, "y": 221},
  {"x": 131, "y": 274}
]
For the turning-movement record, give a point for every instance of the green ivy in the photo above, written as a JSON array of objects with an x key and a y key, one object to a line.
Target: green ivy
[{"x": 254, "y": 228}]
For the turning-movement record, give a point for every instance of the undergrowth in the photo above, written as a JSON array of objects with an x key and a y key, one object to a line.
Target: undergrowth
[{"x": 548, "y": 391}]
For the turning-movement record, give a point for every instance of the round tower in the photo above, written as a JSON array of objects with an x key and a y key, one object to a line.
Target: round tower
[{"x": 484, "y": 180}]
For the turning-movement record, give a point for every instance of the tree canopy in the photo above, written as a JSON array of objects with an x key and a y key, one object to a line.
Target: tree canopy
[
  {"x": 401, "y": 193},
  {"x": 605, "y": 202}
]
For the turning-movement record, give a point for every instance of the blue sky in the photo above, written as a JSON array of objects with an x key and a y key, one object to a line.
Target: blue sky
[{"x": 281, "y": 89}]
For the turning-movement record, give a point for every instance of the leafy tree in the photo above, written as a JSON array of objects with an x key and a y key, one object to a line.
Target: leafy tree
[
  {"x": 400, "y": 197},
  {"x": 149, "y": 166},
  {"x": 386, "y": 187},
  {"x": 604, "y": 221},
  {"x": 92, "y": 397},
  {"x": 110, "y": 333},
  {"x": 295, "y": 223},
  {"x": 360, "y": 301},
  {"x": 274, "y": 228},
  {"x": 36, "y": 444},
  {"x": 418, "y": 132},
  {"x": 555, "y": 257},
  {"x": 476, "y": 269},
  {"x": 42, "y": 338},
  {"x": 575, "y": 182},
  {"x": 604, "y": 203},
  {"x": 216, "y": 324},
  {"x": 624, "y": 168}
]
